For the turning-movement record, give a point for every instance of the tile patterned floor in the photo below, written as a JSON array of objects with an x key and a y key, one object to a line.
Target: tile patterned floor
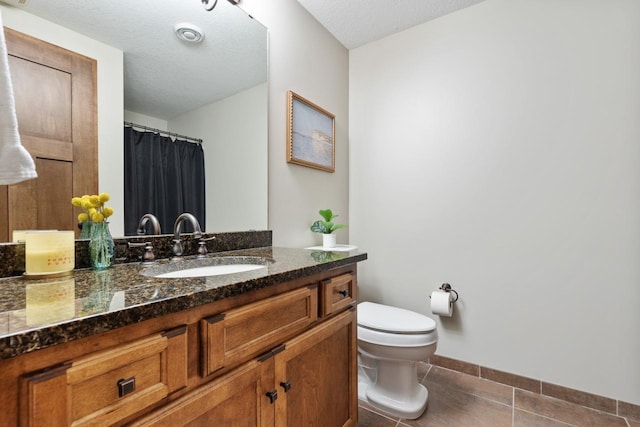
[{"x": 460, "y": 400}]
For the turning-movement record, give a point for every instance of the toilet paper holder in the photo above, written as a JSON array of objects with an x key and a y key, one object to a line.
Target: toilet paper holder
[{"x": 447, "y": 288}]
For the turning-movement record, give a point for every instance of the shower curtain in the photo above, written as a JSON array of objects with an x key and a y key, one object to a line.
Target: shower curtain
[{"x": 162, "y": 177}]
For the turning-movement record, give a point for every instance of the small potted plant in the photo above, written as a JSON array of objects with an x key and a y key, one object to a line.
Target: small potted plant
[{"x": 326, "y": 227}]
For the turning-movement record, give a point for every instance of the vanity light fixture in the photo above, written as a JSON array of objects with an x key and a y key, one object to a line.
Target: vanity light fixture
[
  {"x": 188, "y": 32},
  {"x": 210, "y": 4}
]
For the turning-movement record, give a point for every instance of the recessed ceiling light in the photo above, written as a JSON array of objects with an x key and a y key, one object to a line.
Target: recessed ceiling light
[{"x": 188, "y": 32}]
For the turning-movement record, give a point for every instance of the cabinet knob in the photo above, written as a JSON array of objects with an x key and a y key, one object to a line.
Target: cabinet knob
[
  {"x": 272, "y": 395},
  {"x": 286, "y": 385},
  {"x": 126, "y": 386},
  {"x": 344, "y": 293}
]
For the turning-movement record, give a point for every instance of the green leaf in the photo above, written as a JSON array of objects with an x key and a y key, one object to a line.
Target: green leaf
[
  {"x": 326, "y": 214},
  {"x": 337, "y": 227},
  {"x": 319, "y": 227}
]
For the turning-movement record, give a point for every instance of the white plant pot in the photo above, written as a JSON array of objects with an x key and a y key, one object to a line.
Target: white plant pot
[{"x": 328, "y": 240}]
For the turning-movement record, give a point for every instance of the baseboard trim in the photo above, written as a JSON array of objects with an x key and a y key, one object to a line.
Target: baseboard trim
[{"x": 589, "y": 400}]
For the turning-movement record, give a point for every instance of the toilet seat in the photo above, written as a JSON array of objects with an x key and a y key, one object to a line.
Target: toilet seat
[
  {"x": 396, "y": 327},
  {"x": 394, "y": 320}
]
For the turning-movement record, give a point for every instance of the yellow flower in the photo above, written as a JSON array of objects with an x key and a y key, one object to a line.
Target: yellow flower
[
  {"x": 93, "y": 206},
  {"x": 107, "y": 212}
]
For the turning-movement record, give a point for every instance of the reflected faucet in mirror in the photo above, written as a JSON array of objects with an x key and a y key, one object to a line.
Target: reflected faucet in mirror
[
  {"x": 155, "y": 224},
  {"x": 177, "y": 244}
]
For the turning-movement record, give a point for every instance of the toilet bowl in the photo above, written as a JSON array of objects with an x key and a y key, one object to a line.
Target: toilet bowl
[{"x": 391, "y": 342}]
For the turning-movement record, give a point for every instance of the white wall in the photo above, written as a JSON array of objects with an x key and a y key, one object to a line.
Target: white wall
[
  {"x": 234, "y": 132},
  {"x": 144, "y": 120},
  {"x": 110, "y": 101},
  {"x": 304, "y": 58},
  {"x": 497, "y": 148}
]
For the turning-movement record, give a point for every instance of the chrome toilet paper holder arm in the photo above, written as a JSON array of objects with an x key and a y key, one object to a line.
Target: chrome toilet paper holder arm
[{"x": 447, "y": 288}]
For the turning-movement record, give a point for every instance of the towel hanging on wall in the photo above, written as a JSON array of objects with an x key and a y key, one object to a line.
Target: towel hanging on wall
[{"x": 16, "y": 164}]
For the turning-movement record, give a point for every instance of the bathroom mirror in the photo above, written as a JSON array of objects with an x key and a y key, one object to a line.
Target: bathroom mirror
[{"x": 172, "y": 85}]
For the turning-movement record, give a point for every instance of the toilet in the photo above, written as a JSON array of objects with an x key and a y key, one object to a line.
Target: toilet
[{"x": 391, "y": 342}]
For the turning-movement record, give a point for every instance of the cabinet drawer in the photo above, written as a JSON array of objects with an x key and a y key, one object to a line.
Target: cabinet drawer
[
  {"x": 338, "y": 293},
  {"x": 239, "y": 334},
  {"x": 105, "y": 387}
]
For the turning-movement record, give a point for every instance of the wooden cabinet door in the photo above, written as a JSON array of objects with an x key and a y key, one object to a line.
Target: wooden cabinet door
[
  {"x": 237, "y": 399},
  {"x": 316, "y": 376},
  {"x": 56, "y": 104}
]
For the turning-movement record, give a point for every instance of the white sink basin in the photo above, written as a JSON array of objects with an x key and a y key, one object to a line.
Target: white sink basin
[
  {"x": 211, "y": 270},
  {"x": 206, "y": 267}
]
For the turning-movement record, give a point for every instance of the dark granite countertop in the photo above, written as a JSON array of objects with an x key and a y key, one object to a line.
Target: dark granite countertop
[{"x": 36, "y": 314}]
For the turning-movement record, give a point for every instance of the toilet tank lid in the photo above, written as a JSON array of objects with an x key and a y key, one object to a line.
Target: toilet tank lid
[{"x": 393, "y": 319}]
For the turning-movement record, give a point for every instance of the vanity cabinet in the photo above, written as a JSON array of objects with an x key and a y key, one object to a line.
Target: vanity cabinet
[
  {"x": 284, "y": 355},
  {"x": 308, "y": 380}
]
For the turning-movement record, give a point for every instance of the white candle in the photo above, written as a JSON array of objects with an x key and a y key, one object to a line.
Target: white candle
[{"x": 49, "y": 252}]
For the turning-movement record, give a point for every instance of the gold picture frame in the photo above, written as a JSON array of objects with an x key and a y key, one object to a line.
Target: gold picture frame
[{"x": 310, "y": 134}]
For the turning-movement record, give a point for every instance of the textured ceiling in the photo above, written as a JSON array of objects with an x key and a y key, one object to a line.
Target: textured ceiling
[
  {"x": 164, "y": 76},
  {"x": 358, "y": 22}
]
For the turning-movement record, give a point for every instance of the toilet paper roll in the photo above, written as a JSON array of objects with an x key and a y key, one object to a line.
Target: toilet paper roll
[{"x": 442, "y": 303}]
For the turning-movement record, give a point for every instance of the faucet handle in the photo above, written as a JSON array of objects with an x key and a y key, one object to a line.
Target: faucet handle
[
  {"x": 148, "y": 256},
  {"x": 202, "y": 245}
]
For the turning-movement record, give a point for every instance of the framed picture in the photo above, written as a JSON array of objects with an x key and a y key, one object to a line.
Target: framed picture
[{"x": 310, "y": 134}]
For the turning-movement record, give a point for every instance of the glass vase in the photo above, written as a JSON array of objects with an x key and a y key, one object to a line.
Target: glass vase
[
  {"x": 101, "y": 246},
  {"x": 85, "y": 229}
]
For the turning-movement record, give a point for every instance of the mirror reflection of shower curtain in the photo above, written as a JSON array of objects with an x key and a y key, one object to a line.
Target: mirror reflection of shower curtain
[{"x": 162, "y": 177}]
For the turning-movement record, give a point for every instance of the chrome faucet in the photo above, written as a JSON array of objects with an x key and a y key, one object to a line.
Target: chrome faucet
[
  {"x": 197, "y": 233},
  {"x": 143, "y": 222}
]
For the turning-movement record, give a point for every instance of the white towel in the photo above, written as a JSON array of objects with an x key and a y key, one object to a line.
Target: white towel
[{"x": 15, "y": 162}]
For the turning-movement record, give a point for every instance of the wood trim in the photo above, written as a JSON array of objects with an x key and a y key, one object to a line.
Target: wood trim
[
  {"x": 41, "y": 403},
  {"x": 4, "y": 215},
  {"x": 212, "y": 345},
  {"x": 45, "y": 148},
  {"x": 54, "y": 56}
]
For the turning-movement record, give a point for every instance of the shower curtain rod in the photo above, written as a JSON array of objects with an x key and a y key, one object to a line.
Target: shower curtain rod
[{"x": 164, "y": 132}]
